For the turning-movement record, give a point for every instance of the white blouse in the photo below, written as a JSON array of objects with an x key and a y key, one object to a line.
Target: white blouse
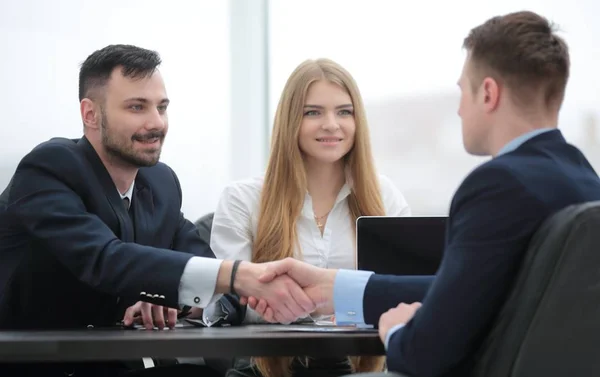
[{"x": 236, "y": 219}]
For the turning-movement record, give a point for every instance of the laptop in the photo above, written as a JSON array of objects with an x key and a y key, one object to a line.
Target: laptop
[{"x": 400, "y": 245}]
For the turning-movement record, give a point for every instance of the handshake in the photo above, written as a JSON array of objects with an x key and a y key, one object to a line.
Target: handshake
[
  {"x": 280, "y": 292},
  {"x": 285, "y": 290}
]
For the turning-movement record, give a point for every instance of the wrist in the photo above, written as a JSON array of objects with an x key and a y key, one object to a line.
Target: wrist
[
  {"x": 234, "y": 270},
  {"x": 329, "y": 283},
  {"x": 328, "y": 289},
  {"x": 224, "y": 277},
  {"x": 244, "y": 278}
]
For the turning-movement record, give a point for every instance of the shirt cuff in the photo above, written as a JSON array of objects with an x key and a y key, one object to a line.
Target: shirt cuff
[
  {"x": 391, "y": 332},
  {"x": 348, "y": 292},
  {"x": 198, "y": 282}
]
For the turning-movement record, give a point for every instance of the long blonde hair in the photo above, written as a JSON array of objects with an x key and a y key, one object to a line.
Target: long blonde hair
[{"x": 285, "y": 186}]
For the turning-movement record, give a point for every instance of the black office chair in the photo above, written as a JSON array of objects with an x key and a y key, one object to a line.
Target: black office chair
[
  {"x": 550, "y": 322},
  {"x": 204, "y": 225}
]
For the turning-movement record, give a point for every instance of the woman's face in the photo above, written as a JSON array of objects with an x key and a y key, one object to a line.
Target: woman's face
[{"x": 328, "y": 126}]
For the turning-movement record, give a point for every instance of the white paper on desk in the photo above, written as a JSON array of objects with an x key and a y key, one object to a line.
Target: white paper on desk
[{"x": 305, "y": 328}]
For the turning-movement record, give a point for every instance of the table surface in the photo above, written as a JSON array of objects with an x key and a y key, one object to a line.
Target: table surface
[{"x": 119, "y": 344}]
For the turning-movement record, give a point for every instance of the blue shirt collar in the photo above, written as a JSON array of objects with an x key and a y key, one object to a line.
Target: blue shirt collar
[{"x": 518, "y": 141}]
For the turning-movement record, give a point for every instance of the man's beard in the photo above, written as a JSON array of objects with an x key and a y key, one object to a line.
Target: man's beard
[{"x": 124, "y": 152}]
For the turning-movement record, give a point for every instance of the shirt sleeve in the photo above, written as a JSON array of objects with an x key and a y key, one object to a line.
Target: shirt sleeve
[
  {"x": 231, "y": 234},
  {"x": 348, "y": 292},
  {"x": 198, "y": 282}
]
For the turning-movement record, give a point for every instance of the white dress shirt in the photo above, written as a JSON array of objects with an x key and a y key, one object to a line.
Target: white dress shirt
[
  {"x": 128, "y": 194},
  {"x": 236, "y": 219}
]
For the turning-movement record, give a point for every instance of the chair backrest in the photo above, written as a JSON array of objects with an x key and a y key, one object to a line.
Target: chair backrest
[
  {"x": 204, "y": 225},
  {"x": 550, "y": 323}
]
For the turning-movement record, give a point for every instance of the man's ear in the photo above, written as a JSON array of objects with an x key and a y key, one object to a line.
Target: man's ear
[
  {"x": 90, "y": 113},
  {"x": 491, "y": 94}
]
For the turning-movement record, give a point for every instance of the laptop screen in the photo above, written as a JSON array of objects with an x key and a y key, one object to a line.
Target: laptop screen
[{"x": 400, "y": 245}]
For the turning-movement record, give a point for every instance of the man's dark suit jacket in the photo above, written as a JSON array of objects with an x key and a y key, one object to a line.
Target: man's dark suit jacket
[
  {"x": 70, "y": 254},
  {"x": 493, "y": 216}
]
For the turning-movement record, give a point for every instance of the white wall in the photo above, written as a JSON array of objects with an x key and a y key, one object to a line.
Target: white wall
[{"x": 43, "y": 43}]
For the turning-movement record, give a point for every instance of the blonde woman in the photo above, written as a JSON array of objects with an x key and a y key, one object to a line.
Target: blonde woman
[{"x": 320, "y": 177}]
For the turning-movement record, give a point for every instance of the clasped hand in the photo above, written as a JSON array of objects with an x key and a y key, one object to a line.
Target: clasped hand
[
  {"x": 289, "y": 289},
  {"x": 280, "y": 292}
]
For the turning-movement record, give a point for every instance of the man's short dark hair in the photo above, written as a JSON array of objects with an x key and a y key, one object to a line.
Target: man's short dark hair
[
  {"x": 522, "y": 51},
  {"x": 96, "y": 70}
]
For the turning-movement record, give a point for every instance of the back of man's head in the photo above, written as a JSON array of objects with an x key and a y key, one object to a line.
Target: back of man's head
[
  {"x": 522, "y": 52},
  {"x": 96, "y": 70}
]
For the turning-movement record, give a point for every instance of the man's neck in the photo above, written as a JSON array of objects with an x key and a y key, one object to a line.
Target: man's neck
[
  {"x": 122, "y": 179},
  {"x": 325, "y": 180},
  {"x": 513, "y": 128}
]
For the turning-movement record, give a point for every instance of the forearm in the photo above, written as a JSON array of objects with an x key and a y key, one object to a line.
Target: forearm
[
  {"x": 245, "y": 275},
  {"x": 384, "y": 292}
]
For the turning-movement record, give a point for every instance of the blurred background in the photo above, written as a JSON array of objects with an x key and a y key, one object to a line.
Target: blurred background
[{"x": 225, "y": 63}]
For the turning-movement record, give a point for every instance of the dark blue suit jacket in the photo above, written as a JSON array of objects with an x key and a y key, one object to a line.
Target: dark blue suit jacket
[
  {"x": 493, "y": 216},
  {"x": 69, "y": 253}
]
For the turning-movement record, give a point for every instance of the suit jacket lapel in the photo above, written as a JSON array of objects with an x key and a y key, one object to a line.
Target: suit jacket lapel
[
  {"x": 143, "y": 209},
  {"x": 109, "y": 189}
]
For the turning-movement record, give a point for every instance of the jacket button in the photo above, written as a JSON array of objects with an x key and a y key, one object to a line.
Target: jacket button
[{"x": 197, "y": 300}]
